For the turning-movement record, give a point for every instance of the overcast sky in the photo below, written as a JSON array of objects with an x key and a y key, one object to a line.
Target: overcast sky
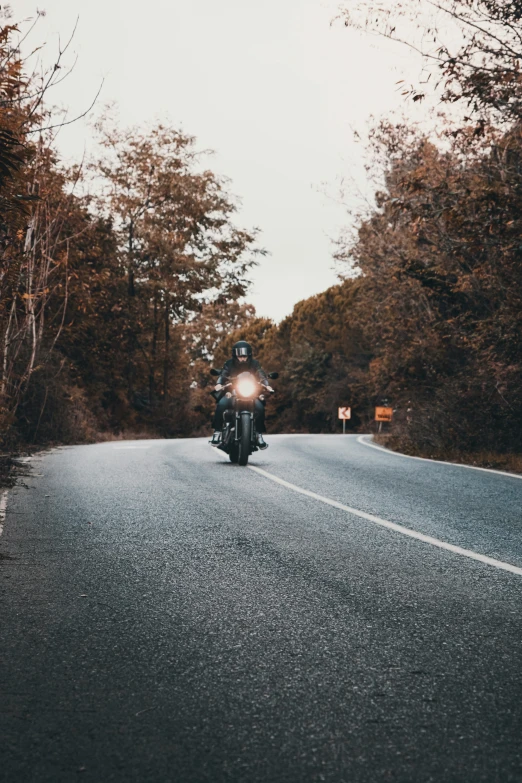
[{"x": 272, "y": 87}]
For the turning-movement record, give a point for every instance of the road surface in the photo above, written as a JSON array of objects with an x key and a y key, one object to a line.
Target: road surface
[{"x": 167, "y": 616}]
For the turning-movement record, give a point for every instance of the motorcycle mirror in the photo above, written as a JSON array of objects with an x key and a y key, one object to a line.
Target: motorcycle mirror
[
  {"x": 214, "y": 372},
  {"x": 273, "y": 375}
]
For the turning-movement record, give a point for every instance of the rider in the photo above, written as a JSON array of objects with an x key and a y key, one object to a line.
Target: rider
[{"x": 241, "y": 361}]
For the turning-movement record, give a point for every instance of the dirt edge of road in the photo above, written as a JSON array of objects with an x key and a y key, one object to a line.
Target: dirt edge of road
[{"x": 508, "y": 463}]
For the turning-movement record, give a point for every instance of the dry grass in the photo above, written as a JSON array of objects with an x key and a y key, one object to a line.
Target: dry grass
[
  {"x": 11, "y": 470},
  {"x": 103, "y": 437},
  {"x": 511, "y": 463}
]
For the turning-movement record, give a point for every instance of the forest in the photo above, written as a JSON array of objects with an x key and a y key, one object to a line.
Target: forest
[{"x": 114, "y": 305}]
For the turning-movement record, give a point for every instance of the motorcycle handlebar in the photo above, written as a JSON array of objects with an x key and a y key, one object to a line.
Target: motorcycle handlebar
[{"x": 226, "y": 386}]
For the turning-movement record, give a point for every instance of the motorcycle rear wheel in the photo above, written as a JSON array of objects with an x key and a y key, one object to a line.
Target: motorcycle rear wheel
[{"x": 244, "y": 439}]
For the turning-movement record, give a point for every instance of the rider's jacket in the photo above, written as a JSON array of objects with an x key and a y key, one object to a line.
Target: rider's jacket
[{"x": 232, "y": 369}]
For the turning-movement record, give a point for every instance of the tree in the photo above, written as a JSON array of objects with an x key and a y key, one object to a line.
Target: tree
[
  {"x": 480, "y": 68},
  {"x": 318, "y": 353},
  {"x": 176, "y": 238},
  {"x": 33, "y": 203},
  {"x": 439, "y": 296},
  {"x": 101, "y": 298}
]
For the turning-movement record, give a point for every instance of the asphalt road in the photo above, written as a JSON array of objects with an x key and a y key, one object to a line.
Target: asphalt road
[{"x": 166, "y": 616}]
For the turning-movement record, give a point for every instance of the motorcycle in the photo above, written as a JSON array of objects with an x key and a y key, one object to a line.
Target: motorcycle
[{"x": 239, "y": 436}]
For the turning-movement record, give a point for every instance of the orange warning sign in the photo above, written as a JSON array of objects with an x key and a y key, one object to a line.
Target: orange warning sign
[{"x": 383, "y": 414}]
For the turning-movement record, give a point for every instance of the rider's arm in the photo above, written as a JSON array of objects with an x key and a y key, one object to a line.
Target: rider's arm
[
  {"x": 224, "y": 376},
  {"x": 262, "y": 376}
]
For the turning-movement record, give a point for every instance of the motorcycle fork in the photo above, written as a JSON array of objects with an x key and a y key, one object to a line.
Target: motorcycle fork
[
  {"x": 229, "y": 424},
  {"x": 226, "y": 432},
  {"x": 237, "y": 433}
]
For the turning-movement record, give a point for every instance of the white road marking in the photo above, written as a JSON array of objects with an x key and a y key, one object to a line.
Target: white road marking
[
  {"x": 361, "y": 439},
  {"x": 121, "y": 448},
  {"x": 405, "y": 531},
  {"x": 3, "y": 506}
]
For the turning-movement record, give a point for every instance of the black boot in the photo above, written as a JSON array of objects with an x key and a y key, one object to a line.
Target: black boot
[{"x": 260, "y": 442}]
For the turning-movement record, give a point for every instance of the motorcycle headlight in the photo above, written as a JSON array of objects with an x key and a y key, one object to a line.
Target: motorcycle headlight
[{"x": 246, "y": 388}]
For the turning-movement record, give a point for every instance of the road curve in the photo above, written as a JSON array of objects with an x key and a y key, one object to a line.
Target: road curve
[{"x": 167, "y": 616}]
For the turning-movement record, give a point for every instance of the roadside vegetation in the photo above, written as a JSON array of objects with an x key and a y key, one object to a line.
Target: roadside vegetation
[
  {"x": 96, "y": 290},
  {"x": 113, "y": 306},
  {"x": 429, "y": 316}
]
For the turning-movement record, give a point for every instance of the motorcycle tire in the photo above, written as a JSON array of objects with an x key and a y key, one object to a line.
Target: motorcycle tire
[
  {"x": 244, "y": 439},
  {"x": 233, "y": 454}
]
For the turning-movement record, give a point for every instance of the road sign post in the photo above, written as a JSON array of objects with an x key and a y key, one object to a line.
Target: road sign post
[
  {"x": 383, "y": 414},
  {"x": 344, "y": 414}
]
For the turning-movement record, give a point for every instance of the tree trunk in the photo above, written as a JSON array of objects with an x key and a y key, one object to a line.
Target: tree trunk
[
  {"x": 130, "y": 266},
  {"x": 166, "y": 359},
  {"x": 5, "y": 358},
  {"x": 152, "y": 366}
]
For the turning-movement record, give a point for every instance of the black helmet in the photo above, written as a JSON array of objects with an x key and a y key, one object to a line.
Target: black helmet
[{"x": 242, "y": 348}]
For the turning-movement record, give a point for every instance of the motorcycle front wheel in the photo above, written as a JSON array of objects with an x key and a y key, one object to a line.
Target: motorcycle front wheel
[{"x": 244, "y": 439}]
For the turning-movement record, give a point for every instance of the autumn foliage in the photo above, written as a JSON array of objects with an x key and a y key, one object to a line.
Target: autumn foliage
[
  {"x": 115, "y": 305},
  {"x": 430, "y": 315},
  {"x": 97, "y": 290}
]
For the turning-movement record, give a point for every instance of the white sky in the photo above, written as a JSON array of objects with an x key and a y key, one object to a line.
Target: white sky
[{"x": 272, "y": 87}]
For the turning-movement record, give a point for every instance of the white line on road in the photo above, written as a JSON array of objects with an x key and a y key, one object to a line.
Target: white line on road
[
  {"x": 126, "y": 448},
  {"x": 362, "y": 439},
  {"x": 3, "y": 506},
  {"x": 405, "y": 531}
]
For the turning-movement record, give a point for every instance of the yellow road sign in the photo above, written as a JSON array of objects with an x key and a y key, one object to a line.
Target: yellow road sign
[
  {"x": 383, "y": 414},
  {"x": 345, "y": 413}
]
